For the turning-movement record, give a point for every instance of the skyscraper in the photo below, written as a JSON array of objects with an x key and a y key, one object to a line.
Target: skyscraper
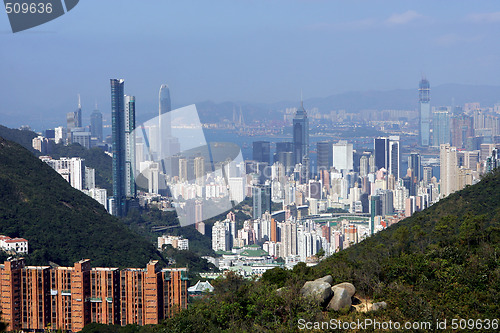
[
  {"x": 414, "y": 163},
  {"x": 425, "y": 112},
  {"x": 130, "y": 164},
  {"x": 387, "y": 154},
  {"x": 381, "y": 146},
  {"x": 300, "y": 134},
  {"x": 325, "y": 155},
  {"x": 448, "y": 166},
  {"x": 199, "y": 170},
  {"x": 394, "y": 153},
  {"x": 261, "y": 200},
  {"x": 440, "y": 127},
  {"x": 342, "y": 155},
  {"x": 165, "y": 128},
  {"x": 74, "y": 119},
  {"x": 96, "y": 124},
  {"x": 261, "y": 151},
  {"x": 118, "y": 144}
]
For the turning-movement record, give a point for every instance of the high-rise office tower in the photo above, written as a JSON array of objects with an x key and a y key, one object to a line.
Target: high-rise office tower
[
  {"x": 342, "y": 156},
  {"x": 386, "y": 202},
  {"x": 96, "y": 124},
  {"x": 262, "y": 151},
  {"x": 300, "y": 134},
  {"x": 427, "y": 175},
  {"x": 130, "y": 164},
  {"x": 325, "y": 155},
  {"x": 165, "y": 127},
  {"x": 387, "y": 154},
  {"x": 424, "y": 112},
  {"x": 74, "y": 119},
  {"x": 394, "y": 156},
  {"x": 375, "y": 210},
  {"x": 261, "y": 200},
  {"x": 381, "y": 146},
  {"x": 440, "y": 127},
  {"x": 364, "y": 168},
  {"x": 118, "y": 144},
  {"x": 78, "y": 113},
  {"x": 414, "y": 163}
]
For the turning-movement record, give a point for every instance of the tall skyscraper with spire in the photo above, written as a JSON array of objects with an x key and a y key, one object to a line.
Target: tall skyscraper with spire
[
  {"x": 164, "y": 126},
  {"x": 424, "y": 112},
  {"x": 118, "y": 145},
  {"x": 300, "y": 134},
  {"x": 74, "y": 119}
]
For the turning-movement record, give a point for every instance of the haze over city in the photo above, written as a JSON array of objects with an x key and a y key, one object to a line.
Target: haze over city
[{"x": 241, "y": 51}]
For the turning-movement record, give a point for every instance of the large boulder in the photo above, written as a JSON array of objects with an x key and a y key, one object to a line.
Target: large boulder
[
  {"x": 318, "y": 290},
  {"x": 378, "y": 306},
  {"x": 351, "y": 290},
  {"x": 341, "y": 300},
  {"x": 326, "y": 278}
]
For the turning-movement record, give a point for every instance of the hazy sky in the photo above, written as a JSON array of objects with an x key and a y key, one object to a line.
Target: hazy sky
[{"x": 262, "y": 51}]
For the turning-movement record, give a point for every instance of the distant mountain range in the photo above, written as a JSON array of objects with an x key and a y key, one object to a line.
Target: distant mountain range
[{"x": 399, "y": 99}]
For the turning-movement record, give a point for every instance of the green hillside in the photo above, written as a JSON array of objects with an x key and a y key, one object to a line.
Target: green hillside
[
  {"x": 62, "y": 224},
  {"x": 23, "y": 137}
]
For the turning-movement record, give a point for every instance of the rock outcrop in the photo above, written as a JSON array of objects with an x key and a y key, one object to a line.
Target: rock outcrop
[
  {"x": 341, "y": 300},
  {"x": 351, "y": 290}
]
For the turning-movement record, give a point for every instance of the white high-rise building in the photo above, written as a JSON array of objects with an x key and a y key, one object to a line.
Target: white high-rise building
[
  {"x": 342, "y": 155},
  {"x": 448, "y": 169},
  {"x": 60, "y": 134},
  {"x": 237, "y": 189},
  {"x": 221, "y": 236},
  {"x": 100, "y": 195}
]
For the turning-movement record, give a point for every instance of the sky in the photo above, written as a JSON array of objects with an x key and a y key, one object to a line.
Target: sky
[{"x": 243, "y": 51}]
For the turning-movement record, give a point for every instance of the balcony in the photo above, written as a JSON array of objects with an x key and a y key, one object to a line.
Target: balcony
[{"x": 95, "y": 299}]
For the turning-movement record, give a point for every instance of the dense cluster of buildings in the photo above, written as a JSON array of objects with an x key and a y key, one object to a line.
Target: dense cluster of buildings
[
  {"x": 38, "y": 298},
  {"x": 369, "y": 184},
  {"x": 73, "y": 132}
]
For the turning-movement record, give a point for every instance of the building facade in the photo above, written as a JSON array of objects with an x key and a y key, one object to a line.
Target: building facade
[
  {"x": 424, "y": 112},
  {"x": 68, "y": 298},
  {"x": 118, "y": 144},
  {"x": 300, "y": 134}
]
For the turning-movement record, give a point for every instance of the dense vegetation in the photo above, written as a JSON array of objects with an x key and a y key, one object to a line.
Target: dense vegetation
[
  {"x": 62, "y": 224},
  {"x": 23, "y": 137}
]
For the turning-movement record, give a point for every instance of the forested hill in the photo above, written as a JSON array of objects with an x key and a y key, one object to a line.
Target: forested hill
[
  {"x": 62, "y": 224},
  {"x": 23, "y": 137}
]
